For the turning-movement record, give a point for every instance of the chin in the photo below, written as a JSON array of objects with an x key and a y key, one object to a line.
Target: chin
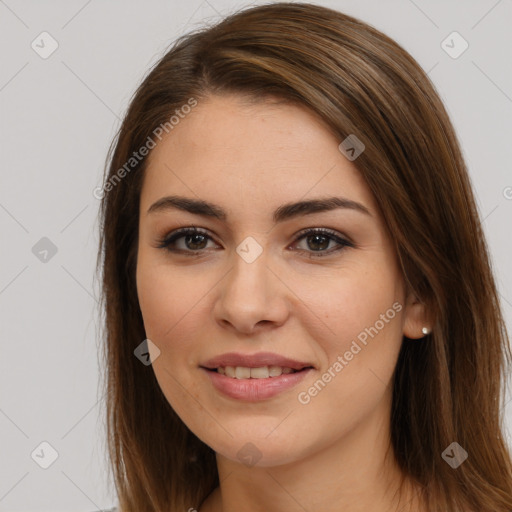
[{"x": 258, "y": 452}]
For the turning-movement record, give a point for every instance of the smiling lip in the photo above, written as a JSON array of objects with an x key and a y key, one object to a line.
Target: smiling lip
[
  {"x": 254, "y": 361},
  {"x": 253, "y": 390}
]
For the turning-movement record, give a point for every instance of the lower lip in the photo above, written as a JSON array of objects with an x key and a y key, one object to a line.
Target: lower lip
[{"x": 253, "y": 390}]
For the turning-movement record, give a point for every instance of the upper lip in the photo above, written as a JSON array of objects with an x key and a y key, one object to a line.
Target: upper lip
[{"x": 254, "y": 361}]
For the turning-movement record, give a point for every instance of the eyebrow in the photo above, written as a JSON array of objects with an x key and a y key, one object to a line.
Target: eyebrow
[{"x": 284, "y": 212}]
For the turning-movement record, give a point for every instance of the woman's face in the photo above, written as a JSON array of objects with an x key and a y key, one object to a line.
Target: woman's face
[{"x": 251, "y": 282}]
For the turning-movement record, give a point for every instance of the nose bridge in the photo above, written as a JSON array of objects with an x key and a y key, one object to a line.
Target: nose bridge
[
  {"x": 250, "y": 266},
  {"x": 249, "y": 294}
]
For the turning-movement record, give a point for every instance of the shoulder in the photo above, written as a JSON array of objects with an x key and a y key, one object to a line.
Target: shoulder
[{"x": 113, "y": 509}]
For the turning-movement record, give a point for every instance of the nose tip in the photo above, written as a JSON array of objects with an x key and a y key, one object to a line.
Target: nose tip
[{"x": 249, "y": 298}]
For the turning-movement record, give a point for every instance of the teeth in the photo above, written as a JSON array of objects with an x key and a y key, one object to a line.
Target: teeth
[
  {"x": 242, "y": 373},
  {"x": 260, "y": 373},
  {"x": 264, "y": 372}
]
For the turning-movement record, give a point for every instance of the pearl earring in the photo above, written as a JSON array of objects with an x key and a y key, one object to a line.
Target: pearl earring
[{"x": 424, "y": 331}]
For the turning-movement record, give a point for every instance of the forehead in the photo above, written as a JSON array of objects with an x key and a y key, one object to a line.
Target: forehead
[{"x": 257, "y": 154}]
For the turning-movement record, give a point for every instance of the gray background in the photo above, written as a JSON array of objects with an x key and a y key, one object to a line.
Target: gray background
[{"x": 58, "y": 116}]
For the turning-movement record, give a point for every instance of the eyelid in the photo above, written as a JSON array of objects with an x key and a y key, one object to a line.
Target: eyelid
[
  {"x": 341, "y": 237},
  {"x": 180, "y": 232}
]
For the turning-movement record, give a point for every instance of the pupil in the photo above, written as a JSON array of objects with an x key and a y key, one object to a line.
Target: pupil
[
  {"x": 320, "y": 237},
  {"x": 189, "y": 237}
]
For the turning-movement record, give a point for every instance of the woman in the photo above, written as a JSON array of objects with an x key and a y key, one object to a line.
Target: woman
[{"x": 300, "y": 310}]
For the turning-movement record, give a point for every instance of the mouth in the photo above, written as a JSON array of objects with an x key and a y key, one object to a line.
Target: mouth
[
  {"x": 254, "y": 377},
  {"x": 262, "y": 372},
  {"x": 258, "y": 365},
  {"x": 248, "y": 384}
]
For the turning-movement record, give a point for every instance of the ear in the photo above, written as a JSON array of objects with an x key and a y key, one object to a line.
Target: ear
[{"x": 416, "y": 323}]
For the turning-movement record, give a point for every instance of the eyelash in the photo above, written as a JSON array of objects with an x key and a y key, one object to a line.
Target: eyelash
[{"x": 180, "y": 233}]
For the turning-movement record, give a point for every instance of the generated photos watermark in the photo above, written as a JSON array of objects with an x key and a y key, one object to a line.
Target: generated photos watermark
[
  {"x": 143, "y": 151},
  {"x": 304, "y": 397}
]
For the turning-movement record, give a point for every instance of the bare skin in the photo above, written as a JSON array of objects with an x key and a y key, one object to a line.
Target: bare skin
[{"x": 326, "y": 452}]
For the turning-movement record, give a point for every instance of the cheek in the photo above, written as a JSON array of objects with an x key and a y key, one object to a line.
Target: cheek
[
  {"x": 360, "y": 358},
  {"x": 353, "y": 302},
  {"x": 162, "y": 299},
  {"x": 364, "y": 309},
  {"x": 172, "y": 302},
  {"x": 360, "y": 335},
  {"x": 155, "y": 302}
]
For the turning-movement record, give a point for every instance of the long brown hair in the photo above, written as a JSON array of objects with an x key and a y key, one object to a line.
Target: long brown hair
[{"x": 448, "y": 387}]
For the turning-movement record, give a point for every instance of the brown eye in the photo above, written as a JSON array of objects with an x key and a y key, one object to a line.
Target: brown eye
[
  {"x": 318, "y": 240},
  {"x": 194, "y": 240}
]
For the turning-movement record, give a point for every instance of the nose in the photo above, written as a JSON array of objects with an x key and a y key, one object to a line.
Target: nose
[{"x": 251, "y": 296}]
